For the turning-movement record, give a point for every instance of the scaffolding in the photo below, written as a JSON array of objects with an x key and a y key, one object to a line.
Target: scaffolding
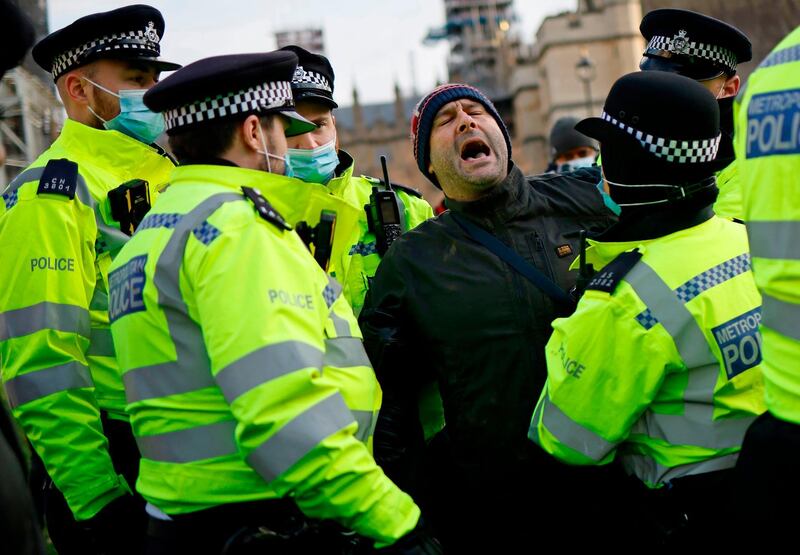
[
  {"x": 31, "y": 117},
  {"x": 481, "y": 47}
]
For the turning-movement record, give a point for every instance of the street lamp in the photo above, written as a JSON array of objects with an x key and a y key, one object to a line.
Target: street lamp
[{"x": 586, "y": 72}]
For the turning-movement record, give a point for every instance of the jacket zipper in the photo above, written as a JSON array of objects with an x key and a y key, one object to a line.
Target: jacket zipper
[{"x": 547, "y": 266}]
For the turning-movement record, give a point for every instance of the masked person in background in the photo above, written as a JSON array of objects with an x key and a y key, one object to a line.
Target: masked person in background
[
  {"x": 62, "y": 221},
  {"x": 706, "y": 50},
  {"x": 571, "y": 148},
  {"x": 369, "y": 214}
]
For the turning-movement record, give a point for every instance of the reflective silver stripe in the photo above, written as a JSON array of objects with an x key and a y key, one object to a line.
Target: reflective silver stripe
[
  {"x": 193, "y": 444},
  {"x": 693, "y": 428},
  {"x": 84, "y": 195},
  {"x": 33, "y": 174},
  {"x": 781, "y": 316},
  {"x": 341, "y": 325},
  {"x": 265, "y": 364},
  {"x": 572, "y": 434},
  {"x": 779, "y": 239},
  {"x": 703, "y": 369},
  {"x": 41, "y": 383},
  {"x": 44, "y": 316},
  {"x": 191, "y": 371},
  {"x": 533, "y": 429},
  {"x": 100, "y": 343},
  {"x": 299, "y": 436},
  {"x": 366, "y": 424},
  {"x": 163, "y": 380},
  {"x": 648, "y": 470},
  {"x": 343, "y": 352}
]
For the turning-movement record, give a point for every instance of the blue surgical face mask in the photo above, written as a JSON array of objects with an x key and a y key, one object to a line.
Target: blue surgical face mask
[
  {"x": 315, "y": 165},
  {"x": 572, "y": 165},
  {"x": 607, "y": 200},
  {"x": 135, "y": 119}
]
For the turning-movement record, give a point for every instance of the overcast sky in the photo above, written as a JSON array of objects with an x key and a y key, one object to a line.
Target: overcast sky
[{"x": 369, "y": 42}]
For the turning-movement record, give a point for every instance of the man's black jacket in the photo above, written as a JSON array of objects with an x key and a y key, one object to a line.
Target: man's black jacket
[{"x": 444, "y": 308}]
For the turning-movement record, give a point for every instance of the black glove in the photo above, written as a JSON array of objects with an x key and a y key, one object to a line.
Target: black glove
[
  {"x": 417, "y": 542},
  {"x": 119, "y": 528}
]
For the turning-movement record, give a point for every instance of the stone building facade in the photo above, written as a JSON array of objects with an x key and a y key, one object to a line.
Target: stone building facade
[{"x": 544, "y": 84}]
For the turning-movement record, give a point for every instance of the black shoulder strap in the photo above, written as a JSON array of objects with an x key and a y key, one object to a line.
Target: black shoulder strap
[
  {"x": 265, "y": 209},
  {"x": 612, "y": 273},
  {"x": 510, "y": 257},
  {"x": 60, "y": 177},
  {"x": 398, "y": 186}
]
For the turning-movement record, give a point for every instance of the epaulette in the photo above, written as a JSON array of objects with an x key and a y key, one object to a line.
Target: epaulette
[
  {"x": 60, "y": 177},
  {"x": 399, "y": 186},
  {"x": 265, "y": 209},
  {"x": 609, "y": 277}
]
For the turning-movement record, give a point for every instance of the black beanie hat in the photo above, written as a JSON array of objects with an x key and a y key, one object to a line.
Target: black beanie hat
[{"x": 429, "y": 106}]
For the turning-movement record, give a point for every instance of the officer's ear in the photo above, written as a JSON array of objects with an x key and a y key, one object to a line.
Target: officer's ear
[
  {"x": 430, "y": 169},
  {"x": 250, "y": 132},
  {"x": 72, "y": 87},
  {"x": 732, "y": 85}
]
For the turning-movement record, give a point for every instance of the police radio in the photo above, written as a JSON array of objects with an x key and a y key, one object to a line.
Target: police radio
[
  {"x": 129, "y": 203},
  {"x": 383, "y": 216},
  {"x": 319, "y": 239},
  {"x": 585, "y": 271}
]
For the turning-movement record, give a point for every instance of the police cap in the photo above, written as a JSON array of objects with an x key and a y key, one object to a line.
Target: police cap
[
  {"x": 313, "y": 78},
  {"x": 692, "y": 44},
  {"x": 229, "y": 86},
  {"x": 657, "y": 127},
  {"x": 129, "y": 33}
]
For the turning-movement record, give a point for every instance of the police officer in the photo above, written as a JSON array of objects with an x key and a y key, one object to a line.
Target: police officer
[
  {"x": 62, "y": 220},
  {"x": 708, "y": 51},
  {"x": 571, "y": 149},
  {"x": 659, "y": 364},
  {"x": 240, "y": 357},
  {"x": 316, "y": 158},
  {"x": 767, "y": 147}
]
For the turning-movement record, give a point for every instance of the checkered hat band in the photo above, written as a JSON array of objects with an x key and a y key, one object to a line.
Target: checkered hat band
[
  {"x": 277, "y": 94},
  {"x": 709, "y": 52},
  {"x": 304, "y": 79},
  {"x": 681, "y": 152},
  {"x": 133, "y": 40}
]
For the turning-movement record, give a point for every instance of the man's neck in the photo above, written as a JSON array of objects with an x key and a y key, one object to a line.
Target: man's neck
[{"x": 468, "y": 193}]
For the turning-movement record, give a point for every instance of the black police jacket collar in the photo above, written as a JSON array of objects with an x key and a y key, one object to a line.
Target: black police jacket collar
[
  {"x": 653, "y": 223},
  {"x": 345, "y": 161},
  {"x": 505, "y": 201}
]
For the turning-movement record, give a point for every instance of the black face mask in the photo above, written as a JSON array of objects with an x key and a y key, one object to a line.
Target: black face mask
[{"x": 726, "y": 126}]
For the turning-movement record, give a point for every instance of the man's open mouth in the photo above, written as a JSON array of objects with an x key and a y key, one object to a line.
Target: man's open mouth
[{"x": 473, "y": 149}]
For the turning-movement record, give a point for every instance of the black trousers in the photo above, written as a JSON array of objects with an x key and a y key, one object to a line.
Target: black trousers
[
  {"x": 20, "y": 529},
  {"x": 697, "y": 511},
  {"x": 768, "y": 496},
  {"x": 518, "y": 508},
  {"x": 272, "y": 527},
  {"x": 66, "y": 533}
]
